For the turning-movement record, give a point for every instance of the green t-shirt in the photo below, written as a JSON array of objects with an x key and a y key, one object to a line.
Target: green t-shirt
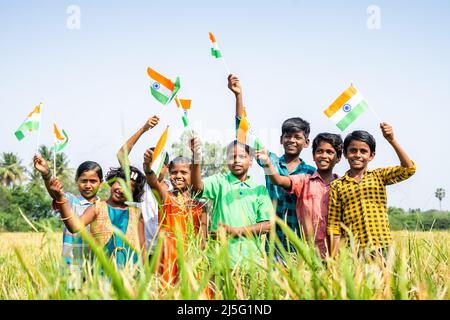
[{"x": 238, "y": 204}]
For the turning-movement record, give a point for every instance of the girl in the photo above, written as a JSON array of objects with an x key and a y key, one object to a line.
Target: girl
[
  {"x": 116, "y": 211},
  {"x": 178, "y": 207},
  {"x": 88, "y": 177}
]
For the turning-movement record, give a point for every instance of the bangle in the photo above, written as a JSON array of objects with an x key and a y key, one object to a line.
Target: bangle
[
  {"x": 62, "y": 219},
  {"x": 60, "y": 202}
]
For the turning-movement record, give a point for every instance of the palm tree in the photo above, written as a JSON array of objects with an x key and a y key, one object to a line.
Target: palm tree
[
  {"x": 63, "y": 171},
  {"x": 11, "y": 169}
]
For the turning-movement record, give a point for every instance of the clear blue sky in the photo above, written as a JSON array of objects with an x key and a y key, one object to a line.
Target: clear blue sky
[{"x": 293, "y": 57}]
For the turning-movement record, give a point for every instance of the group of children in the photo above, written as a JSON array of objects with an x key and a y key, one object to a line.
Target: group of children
[{"x": 314, "y": 202}]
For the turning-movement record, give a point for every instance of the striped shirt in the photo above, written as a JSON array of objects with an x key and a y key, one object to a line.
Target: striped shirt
[{"x": 362, "y": 207}]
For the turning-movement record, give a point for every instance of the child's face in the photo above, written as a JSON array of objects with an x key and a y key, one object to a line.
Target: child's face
[
  {"x": 325, "y": 157},
  {"x": 358, "y": 155},
  {"x": 117, "y": 193},
  {"x": 180, "y": 176},
  {"x": 88, "y": 183},
  {"x": 238, "y": 160},
  {"x": 293, "y": 143}
]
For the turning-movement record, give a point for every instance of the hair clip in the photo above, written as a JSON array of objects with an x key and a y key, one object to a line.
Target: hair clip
[{"x": 133, "y": 175}]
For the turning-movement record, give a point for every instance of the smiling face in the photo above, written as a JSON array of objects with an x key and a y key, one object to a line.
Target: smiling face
[
  {"x": 88, "y": 184},
  {"x": 180, "y": 176},
  {"x": 294, "y": 142},
  {"x": 238, "y": 160},
  {"x": 325, "y": 157},
  {"x": 117, "y": 194},
  {"x": 358, "y": 155}
]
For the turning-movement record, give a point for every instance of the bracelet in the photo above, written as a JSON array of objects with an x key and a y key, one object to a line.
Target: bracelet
[
  {"x": 63, "y": 219},
  {"x": 60, "y": 202}
]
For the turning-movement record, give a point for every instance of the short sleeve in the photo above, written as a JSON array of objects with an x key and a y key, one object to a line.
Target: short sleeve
[
  {"x": 211, "y": 186},
  {"x": 334, "y": 210},
  {"x": 392, "y": 175},
  {"x": 298, "y": 181},
  {"x": 265, "y": 207}
]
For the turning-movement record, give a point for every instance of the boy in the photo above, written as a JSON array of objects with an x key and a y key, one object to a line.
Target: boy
[
  {"x": 149, "y": 205},
  {"x": 312, "y": 191},
  {"x": 294, "y": 137},
  {"x": 358, "y": 199},
  {"x": 241, "y": 207}
]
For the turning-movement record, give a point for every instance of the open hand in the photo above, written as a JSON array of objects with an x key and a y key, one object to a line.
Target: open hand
[
  {"x": 262, "y": 156},
  {"x": 234, "y": 84}
]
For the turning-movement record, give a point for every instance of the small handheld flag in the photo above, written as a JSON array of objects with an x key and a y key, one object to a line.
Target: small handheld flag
[
  {"x": 162, "y": 88},
  {"x": 216, "y": 52},
  {"x": 185, "y": 105},
  {"x": 245, "y": 135},
  {"x": 346, "y": 108},
  {"x": 60, "y": 140},
  {"x": 159, "y": 154},
  {"x": 31, "y": 123}
]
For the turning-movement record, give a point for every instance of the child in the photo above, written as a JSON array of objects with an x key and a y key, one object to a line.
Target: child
[
  {"x": 241, "y": 207},
  {"x": 294, "y": 138},
  {"x": 88, "y": 177},
  {"x": 312, "y": 191},
  {"x": 105, "y": 214},
  {"x": 358, "y": 199},
  {"x": 178, "y": 207},
  {"x": 149, "y": 204}
]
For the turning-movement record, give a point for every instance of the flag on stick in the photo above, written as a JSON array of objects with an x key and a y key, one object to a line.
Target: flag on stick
[
  {"x": 160, "y": 154},
  {"x": 162, "y": 88},
  {"x": 31, "y": 123},
  {"x": 346, "y": 108},
  {"x": 215, "y": 52},
  {"x": 61, "y": 140},
  {"x": 246, "y": 135},
  {"x": 185, "y": 105}
]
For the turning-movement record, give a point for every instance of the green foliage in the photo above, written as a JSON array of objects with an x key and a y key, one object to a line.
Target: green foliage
[{"x": 414, "y": 219}]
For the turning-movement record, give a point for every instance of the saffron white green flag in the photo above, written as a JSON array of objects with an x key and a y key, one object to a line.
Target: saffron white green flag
[
  {"x": 346, "y": 108},
  {"x": 159, "y": 154},
  {"x": 61, "y": 140},
  {"x": 30, "y": 124},
  {"x": 185, "y": 105},
  {"x": 246, "y": 135},
  {"x": 162, "y": 88},
  {"x": 215, "y": 51}
]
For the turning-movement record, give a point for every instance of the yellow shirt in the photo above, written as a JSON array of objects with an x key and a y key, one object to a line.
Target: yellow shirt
[{"x": 362, "y": 207}]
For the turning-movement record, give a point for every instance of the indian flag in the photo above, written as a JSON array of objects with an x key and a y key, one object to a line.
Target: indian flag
[
  {"x": 162, "y": 88},
  {"x": 30, "y": 124},
  {"x": 215, "y": 52},
  {"x": 160, "y": 154},
  {"x": 61, "y": 140},
  {"x": 347, "y": 108},
  {"x": 185, "y": 105},
  {"x": 246, "y": 135}
]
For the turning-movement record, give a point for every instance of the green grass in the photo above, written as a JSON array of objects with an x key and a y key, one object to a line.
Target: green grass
[{"x": 416, "y": 268}]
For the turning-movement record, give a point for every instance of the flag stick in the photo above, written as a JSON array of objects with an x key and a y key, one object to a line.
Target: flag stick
[
  {"x": 368, "y": 104},
  {"x": 226, "y": 66},
  {"x": 39, "y": 131}
]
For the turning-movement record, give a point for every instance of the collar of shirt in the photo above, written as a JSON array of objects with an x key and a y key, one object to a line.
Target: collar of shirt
[
  {"x": 282, "y": 163},
  {"x": 84, "y": 202},
  {"x": 350, "y": 179},
  {"x": 234, "y": 180},
  {"x": 316, "y": 175}
]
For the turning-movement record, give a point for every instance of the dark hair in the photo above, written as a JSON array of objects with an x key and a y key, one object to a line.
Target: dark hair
[
  {"x": 135, "y": 175},
  {"x": 362, "y": 136},
  {"x": 334, "y": 139},
  {"x": 166, "y": 159},
  {"x": 236, "y": 143},
  {"x": 88, "y": 166},
  {"x": 293, "y": 125},
  {"x": 179, "y": 160}
]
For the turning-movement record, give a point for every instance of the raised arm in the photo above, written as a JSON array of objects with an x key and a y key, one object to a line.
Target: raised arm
[
  {"x": 152, "y": 179},
  {"x": 196, "y": 176},
  {"x": 124, "y": 151},
  {"x": 72, "y": 222},
  {"x": 235, "y": 86},
  {"x": 269, "y": 170},
  {"x": 42, "y": 167},
  {"x": 388, "y": 134}
]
